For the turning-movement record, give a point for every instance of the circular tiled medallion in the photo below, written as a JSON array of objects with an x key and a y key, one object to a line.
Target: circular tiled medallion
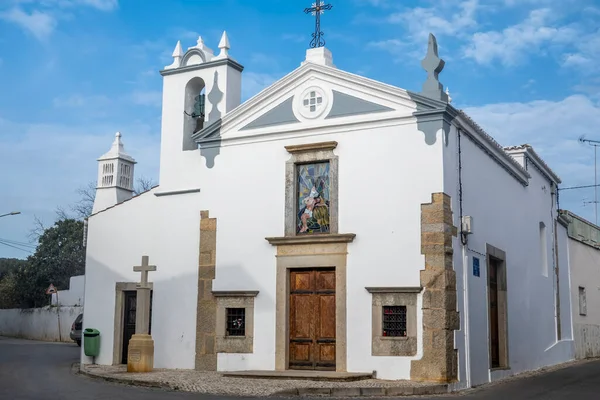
[{"x": 312, "y": 102}]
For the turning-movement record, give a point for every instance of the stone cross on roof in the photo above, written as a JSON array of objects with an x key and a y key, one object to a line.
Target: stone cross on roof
[
  {"x": 433, "y": 64},
  {"x": 144, "y": 269}
]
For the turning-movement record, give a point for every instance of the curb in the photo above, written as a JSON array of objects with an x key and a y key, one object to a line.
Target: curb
[
  {"x": 364, "y": 391},
  {"x": 156, "y": 385},
  {"x": 297, "y": 392}
]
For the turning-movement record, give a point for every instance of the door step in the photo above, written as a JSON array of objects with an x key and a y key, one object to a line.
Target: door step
[{"x": 302, "y": 374}]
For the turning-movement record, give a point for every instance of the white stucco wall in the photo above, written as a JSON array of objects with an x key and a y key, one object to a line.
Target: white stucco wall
[
  {"x": 72, "y": 296},
  {"x": 585, "y": 273},
  {"x": 506, "y": 215},
  {"x": 166, "y": 230},
  {"x": 390, "y": 229},
  {"x": 39, "y": 323}
]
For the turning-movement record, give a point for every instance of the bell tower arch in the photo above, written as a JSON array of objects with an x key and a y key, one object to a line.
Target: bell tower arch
[{"x": 199, "y": 88}]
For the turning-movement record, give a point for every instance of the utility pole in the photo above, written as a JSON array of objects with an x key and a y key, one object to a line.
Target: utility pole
[{"x": 594, "y": 143}]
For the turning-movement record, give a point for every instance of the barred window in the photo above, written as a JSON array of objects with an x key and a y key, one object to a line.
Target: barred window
[
  {"x": 394, "y": 321},
  {"x": 236, "y": 322}
]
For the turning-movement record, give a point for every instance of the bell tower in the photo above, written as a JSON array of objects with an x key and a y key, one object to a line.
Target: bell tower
[
  {"x": 199, "y": 88},
  {"x": 115, "y": 177}
]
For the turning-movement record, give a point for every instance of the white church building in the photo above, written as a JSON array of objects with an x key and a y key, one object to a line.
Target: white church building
[{"x": 330, "y": 223}]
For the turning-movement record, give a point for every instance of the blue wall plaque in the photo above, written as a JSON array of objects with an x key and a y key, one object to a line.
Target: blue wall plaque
[{"x": 475, "y": 266}]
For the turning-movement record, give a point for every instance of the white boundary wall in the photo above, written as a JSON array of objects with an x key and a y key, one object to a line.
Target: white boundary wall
[{"x": 39, "y": 323}]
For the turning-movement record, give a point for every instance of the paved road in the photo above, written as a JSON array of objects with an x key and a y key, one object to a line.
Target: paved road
[{"x": 32, "y": 370}]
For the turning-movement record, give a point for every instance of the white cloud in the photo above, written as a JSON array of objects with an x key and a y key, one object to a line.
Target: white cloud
[
  {"x": 512, "y": 44},
  {"x": 587, "y": 55},
  {"x": 438, "y": 20},
  {"x": 39, "y": 24},
  {"x": 254, "y": 82},
  {"x": 78, "y": 100},
  {"x": 42, "y": 21},
  {"x": 103, "y": 5},
  {"x": 147, "y": 98},
  {"x": 553, "y": 129},
  {"x": 49, "y": 162}
]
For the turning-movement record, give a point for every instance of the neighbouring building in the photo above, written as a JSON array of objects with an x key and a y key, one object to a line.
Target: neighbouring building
[
  {"x": 584, "y": 260},
  {"x": 331, "y": 222}
]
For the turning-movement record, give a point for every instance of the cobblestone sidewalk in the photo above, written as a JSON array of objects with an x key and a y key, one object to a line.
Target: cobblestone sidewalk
[{"x": 215, "y": 383}]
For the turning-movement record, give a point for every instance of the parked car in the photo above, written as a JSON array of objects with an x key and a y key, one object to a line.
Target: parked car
[{"x": 76, "y": 329}]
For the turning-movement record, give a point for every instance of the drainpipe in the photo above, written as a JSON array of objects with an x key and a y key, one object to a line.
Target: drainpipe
[
  {"x": 465, "y": 270},
  {"x": 467, "y": 334}
]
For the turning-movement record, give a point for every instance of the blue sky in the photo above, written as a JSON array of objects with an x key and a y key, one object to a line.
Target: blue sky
[{"x": 73, "y": 72}]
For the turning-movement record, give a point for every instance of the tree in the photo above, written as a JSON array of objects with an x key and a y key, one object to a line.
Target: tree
[
  {"x": 8, "y": 291},
  {"x": 9, "y": 297},
  {"x": 59, "y": 255},
  {"x": 9, "y": 265}
]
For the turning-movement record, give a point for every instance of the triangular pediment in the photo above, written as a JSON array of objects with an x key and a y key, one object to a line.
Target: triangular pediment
[{"x": 315, "y": 95}]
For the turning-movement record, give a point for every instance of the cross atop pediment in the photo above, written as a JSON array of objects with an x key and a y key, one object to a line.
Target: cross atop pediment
[{"x": 144, "y": 269}]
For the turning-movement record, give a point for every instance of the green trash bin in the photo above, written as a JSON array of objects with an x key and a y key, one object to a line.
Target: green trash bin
[{"x": 91, "y": 342}]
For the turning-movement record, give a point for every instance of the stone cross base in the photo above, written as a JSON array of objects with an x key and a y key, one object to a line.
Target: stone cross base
[{"x": 140, "y": 354}]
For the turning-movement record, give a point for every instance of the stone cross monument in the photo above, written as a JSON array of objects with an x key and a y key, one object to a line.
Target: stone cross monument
[{"x": 140, "y": 354}]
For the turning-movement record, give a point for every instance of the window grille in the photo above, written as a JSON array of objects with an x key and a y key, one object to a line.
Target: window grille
[
  {"x": 394, "y": 321},
  {"x": 236, "y": 322}
]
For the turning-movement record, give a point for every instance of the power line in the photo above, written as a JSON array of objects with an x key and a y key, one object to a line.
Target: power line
[
  {"x": 579, "y": 187},
  {"x": 24, "y": 244},
  {"x": 16, "y": 247}
]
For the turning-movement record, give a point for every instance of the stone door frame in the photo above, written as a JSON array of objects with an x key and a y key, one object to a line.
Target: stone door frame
[
  {"x": 318, "y": 251},
  {"x": 120, "y": 288}
]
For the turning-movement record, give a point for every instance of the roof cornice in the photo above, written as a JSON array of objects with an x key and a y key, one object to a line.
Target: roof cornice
[{"x": 209, "y": 64}]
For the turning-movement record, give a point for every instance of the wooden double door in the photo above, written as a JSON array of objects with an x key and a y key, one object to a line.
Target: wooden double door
[
  {"x": 312, "y": 322},
  {"x": 129, "y": 316}
]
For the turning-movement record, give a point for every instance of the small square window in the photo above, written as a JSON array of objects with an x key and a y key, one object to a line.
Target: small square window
[
  {"x": 236, "y": 322},
  {"x": 394, "y": 321}
]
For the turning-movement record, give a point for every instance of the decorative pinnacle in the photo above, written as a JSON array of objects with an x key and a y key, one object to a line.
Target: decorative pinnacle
[
  {"x": 448, "y": 94},
  {"x": 178, "y": 52},
  {"x": 433, "y": 65},
  {"x": 224, "y": 45},
  {"x": 177, "y": 56}
]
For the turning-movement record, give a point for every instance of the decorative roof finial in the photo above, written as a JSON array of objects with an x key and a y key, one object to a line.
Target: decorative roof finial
[
  {"x": 177, "y": 56},
  {"x": 117, "y": 150},
  {"x": 433, "y": 65},
  {"x": 448, "y": 94},
  {"x": 318, "y": 8},
  {"x": 224, "y": 46},
  {"x": 200, "y": 45}
]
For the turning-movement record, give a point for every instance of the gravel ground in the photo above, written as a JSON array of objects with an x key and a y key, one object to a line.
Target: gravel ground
[{"x": 215, "y": 383}]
